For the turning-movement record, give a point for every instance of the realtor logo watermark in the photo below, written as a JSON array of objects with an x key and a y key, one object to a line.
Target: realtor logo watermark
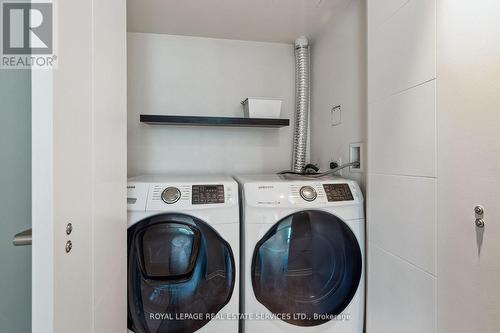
[{"x": 27, "y": 34}]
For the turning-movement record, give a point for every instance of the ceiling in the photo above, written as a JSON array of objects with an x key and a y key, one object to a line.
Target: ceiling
[{"x": 258, "y": 20}]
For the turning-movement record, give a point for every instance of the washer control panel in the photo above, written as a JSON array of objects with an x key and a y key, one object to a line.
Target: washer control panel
[
  {"x": 308, "y": 193},
  {"x": 207, "y": 194},
  {"x": 176, "y": 193},
  {"x": 338, "y": 192}
]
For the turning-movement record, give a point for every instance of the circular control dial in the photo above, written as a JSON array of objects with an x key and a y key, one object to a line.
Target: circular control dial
[
  {"x": 308, "y": 193},
  {"x": 171, "y": 195}
]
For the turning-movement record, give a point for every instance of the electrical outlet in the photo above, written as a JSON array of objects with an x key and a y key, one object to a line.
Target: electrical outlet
[
  {"x": 356, "y": 151},
  {"x": 336, "y": 115},
  {"x": 339, "y": 161}
]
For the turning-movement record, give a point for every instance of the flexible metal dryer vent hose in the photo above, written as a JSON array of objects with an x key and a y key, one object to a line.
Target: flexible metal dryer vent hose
[{"x": 302, "y": 70}]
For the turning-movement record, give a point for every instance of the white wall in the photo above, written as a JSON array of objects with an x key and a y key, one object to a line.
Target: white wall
[
  {"x": 402, "y": 274},
  {"x": 468, "y": 165},
  {"x": 339, "y": 78},
  {"x": 178, "y": 75}
]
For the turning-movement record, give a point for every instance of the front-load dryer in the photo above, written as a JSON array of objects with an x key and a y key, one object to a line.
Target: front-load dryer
[
  {"x": 303, "y": 258},
  {"x": 183, "y": 254}
]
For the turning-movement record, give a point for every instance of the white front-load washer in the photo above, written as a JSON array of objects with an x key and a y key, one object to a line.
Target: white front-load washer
[
  {"x": 183, "y": 254},
  {"x": 303, "y": 258}
]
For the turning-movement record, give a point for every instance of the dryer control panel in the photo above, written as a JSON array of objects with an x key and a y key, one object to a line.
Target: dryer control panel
[
  {"x": 277, "y": 192},
  {"x": 338, "y": 192}
]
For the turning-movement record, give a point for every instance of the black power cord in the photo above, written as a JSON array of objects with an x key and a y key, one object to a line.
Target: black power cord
[{"x": 322, "y": 174}]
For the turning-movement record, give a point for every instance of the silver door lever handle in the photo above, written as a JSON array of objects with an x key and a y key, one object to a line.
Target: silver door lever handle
[{"x": 23, "y": 238}]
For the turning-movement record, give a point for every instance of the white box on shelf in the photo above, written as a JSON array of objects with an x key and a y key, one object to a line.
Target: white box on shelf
[{"x": 261, "y": 107}]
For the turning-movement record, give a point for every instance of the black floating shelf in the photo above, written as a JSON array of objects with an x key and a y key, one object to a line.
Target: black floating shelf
[{"x": 213, "y": 121}]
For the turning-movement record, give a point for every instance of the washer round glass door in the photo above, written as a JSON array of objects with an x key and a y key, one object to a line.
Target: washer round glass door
[
  {"x": 180, "y": 273},
  {"x": 307, "y": 268}
]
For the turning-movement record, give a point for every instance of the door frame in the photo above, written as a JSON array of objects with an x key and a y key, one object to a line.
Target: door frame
[{"x": 79, "y": 173}]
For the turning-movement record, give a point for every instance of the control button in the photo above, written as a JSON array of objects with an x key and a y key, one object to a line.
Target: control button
[
  {"x": 171, "y": 195},
  {"x": 308, "y": 193}
]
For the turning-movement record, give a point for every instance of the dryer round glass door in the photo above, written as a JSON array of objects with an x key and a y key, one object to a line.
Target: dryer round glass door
[
  {"x": 307, "y": 268},
  {"x": 180, "y": 272}
]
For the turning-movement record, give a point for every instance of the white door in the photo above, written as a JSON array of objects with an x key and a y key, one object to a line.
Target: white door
[
  {"x": 468, "y": 104},
  {"x": 77, "y": 186}
]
